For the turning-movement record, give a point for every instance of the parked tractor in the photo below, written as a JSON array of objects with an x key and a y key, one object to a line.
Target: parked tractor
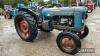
[
  {"x": 88, "y": 3},
  {"x": 91, "y": 6},
  {"x": 11, "y": 12},
  {"x": 69, "y": 20}
]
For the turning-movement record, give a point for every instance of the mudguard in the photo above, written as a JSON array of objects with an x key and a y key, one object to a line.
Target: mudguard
[{"x": 30, "y": 12}]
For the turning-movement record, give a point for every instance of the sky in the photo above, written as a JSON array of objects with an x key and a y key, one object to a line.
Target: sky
[{"x": 46, "y": 0}]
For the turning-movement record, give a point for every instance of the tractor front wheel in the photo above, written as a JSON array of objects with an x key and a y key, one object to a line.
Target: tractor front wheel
[{"x": 68, "y": 43}]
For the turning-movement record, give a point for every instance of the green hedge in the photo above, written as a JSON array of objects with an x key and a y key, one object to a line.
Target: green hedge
[{"x": 1, "y": 4}]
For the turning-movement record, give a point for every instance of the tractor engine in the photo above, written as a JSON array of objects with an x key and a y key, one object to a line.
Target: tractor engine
[{"x": 63, "y": 17}]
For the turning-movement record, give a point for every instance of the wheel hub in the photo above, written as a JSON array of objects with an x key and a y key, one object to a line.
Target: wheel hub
[
  {"x": 67, "y": 43},
  {"x": 24, "y": 28}
]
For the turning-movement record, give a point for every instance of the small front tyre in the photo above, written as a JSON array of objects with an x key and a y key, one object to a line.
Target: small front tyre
[{"x": 68, "y": 43}]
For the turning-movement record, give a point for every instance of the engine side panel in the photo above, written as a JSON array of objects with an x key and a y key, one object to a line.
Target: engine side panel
[{"x": 78, "y": 20}]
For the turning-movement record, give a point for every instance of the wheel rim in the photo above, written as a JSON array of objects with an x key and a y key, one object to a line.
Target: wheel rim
[
  {"x": 67, "y": 43},
  {"x": 23, "y": 28}
]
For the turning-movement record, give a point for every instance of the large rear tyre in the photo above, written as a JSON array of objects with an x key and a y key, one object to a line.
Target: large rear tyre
[
  {"x": 68, "y": 43},
  {"x": 26, "y": 26}
]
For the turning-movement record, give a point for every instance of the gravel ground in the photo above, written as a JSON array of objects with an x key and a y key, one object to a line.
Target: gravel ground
[{"x": 45, "y": 43}]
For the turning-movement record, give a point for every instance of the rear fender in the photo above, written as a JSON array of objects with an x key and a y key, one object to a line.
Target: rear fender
[{"x": 29, "y": 12}]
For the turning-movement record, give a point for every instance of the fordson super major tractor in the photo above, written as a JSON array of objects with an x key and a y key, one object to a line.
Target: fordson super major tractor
[{"x": 69, "y": 20}]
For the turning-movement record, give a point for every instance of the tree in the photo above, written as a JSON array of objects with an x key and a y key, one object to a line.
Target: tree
[
  {"x": 41, "y": 2},
  {"x": 49, "y": 3},
  {"x": 1, "y": 4},
  {"x": 64, "y": 2}
]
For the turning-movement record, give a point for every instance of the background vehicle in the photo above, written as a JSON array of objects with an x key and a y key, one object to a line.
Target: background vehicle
[
  {"x": 11, "y": 12},
  {"x": 2, "y": 11},
  {"x": 88, "y": 3},
  {"x": 91, "y": 5}
]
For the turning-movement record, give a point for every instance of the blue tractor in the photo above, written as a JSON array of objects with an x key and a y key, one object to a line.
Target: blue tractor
[
  {"x": 13, "y": 11},
  {"x": 69, "y": 20}
]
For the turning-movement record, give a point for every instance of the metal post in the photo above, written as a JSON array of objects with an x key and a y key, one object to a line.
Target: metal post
[
  {"x": 97, "y": 2},
  {"x": 70, "y": 2}
]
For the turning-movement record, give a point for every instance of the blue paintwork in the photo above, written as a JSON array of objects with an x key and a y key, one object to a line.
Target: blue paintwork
[
  {"x": 62, "y": 11},
  {"x": 68, "y": 11},
  {"x": 44, "y": 12},
  {"x": 20, "y": 6},
  {"x": 77, "y": 20},
  {"x": 14, "y": 12}
]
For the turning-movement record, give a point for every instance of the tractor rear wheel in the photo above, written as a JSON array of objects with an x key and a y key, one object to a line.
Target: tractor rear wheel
[{"x": 26, "y": 26}]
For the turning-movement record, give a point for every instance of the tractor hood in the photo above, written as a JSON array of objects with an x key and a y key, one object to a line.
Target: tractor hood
[{"x": 63, "y": 11}]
